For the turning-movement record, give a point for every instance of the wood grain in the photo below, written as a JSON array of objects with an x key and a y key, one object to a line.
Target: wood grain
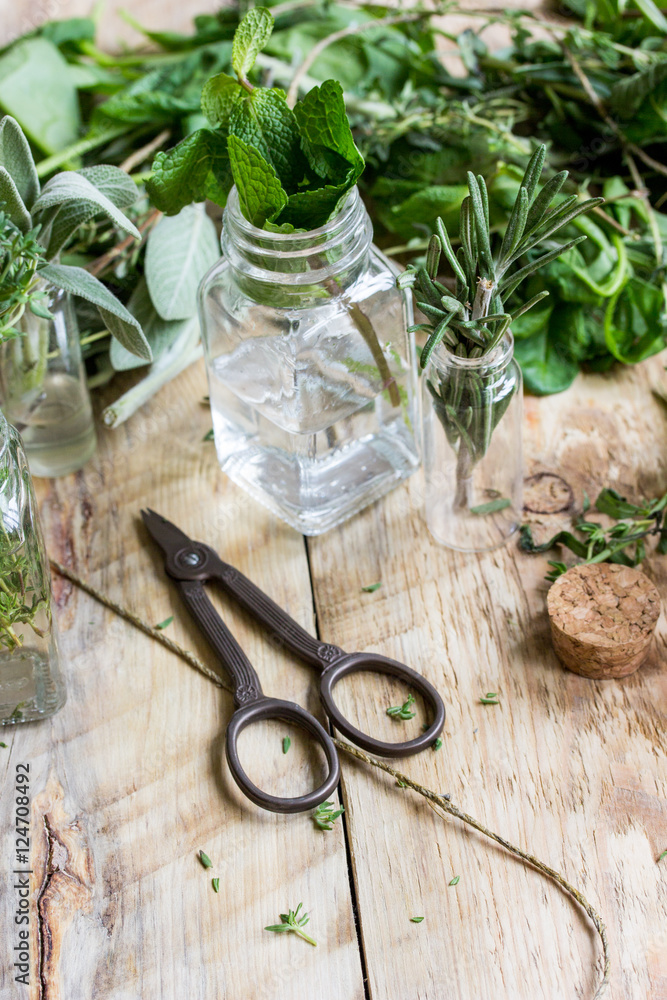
[
  {"x": 572, "y": 769},
  {"x": 129, "y": 779}
]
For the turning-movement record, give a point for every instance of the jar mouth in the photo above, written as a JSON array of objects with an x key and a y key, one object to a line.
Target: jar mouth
[
  {"x": 288, "y": 242},
  {"x": 497, "y": 358}
]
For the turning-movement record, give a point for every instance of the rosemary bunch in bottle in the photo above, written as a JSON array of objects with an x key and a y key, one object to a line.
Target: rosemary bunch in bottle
[{"x": 470, "y": 320}]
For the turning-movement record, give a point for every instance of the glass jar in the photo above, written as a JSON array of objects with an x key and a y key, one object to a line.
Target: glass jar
[
  {"x": 44, "y": 389},
  {"x": 472, "y": 418},
  {"x": 31, "y": 686},
  {"x": 310, "y": 366}
]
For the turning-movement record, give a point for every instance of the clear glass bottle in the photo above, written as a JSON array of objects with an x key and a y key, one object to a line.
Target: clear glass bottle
[
  {"x": 31, "y": 686},
  {"x": 472, "y": 420},
  {"x": 310, "y": 366},
  {"x": 44, "y": 390}
]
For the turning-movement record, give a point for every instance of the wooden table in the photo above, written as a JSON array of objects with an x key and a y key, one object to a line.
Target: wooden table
[{"x": 129, "y": 780}]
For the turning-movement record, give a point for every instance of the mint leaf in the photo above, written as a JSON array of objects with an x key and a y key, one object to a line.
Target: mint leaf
[
  {"x": 326, "y": 136},
  {"x": 263, "y": 120},
  {"x": 196, "y": 169},
  {"x": 219, "y": 97},
  {"x": 260, "y": 193},
  {"x": 250, "y": 38},
  {"x": 312, "y": 208}
]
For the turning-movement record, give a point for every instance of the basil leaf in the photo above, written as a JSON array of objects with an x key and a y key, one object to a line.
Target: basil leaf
[
  {"x": 250, "y": 38},
  {"x": 260, "y": 192},
  {"x": 196, "y": 169}
]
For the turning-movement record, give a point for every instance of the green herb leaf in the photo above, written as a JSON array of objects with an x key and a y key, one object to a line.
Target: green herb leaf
[
  {"x": 4, "y": 747},
  {"x": 219, "y": 96},
  {"x": 209, "y": 436},
  {"x": 291, "y": 922},
  {"x": 403, "y": 712},
  {"x": 326, "y": 135},
  {"x": 205, "y": 860},
  {"x": 263, "y": 120},
  {"x": 325, "y": 815},
  {"x": 196, "y": 169},
  {"x": 492, "y": 507},
  {"x": 70, "y": 188},
  {"x": 161, "y": 334},
  {"x": 490, "y": 698},
  {"x": 179, "y": 251},
  {"x": 250, "y": 38},
  {"x": 287, "y": 743},
  {"x": 16, "y": 158},
  {"x": 455, "y": 880},
  {"x": 663, "y": 855},
  {"x": 260, "y": 193},
  {"x": 166, "y": 622},
  {"x": 370, "y": 588},
  {"x": 215, "y": 882},
  {"x": 416, "y": 920},
  {"x": 438, "y": 744},
  {"x": 18, "y": 711}
]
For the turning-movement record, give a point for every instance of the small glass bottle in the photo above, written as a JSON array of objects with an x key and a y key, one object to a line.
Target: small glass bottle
[
  {"x": 31, "y": 686},
  {"x": 472, "y": 418},
  {"x": 310, "y": 366},
  {"x": 44, "y": 390}
]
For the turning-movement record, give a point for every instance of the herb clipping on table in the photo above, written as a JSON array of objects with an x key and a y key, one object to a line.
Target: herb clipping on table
[{"x": 472, "y": 320}]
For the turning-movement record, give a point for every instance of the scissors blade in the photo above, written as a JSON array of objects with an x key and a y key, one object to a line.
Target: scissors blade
[{"x": 170, "y": 538}]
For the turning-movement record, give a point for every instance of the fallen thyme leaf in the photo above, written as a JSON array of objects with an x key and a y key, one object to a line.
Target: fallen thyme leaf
[
  {"x": 416, "y": 920},
  {"x": 402, "y": 711},
  {"x": 492, "y": 507},
  {"x": 663, "y": 855},
  {"x": 437, "y": 744},
  {"x": 17, "y": 713},
  {"x": 325, "y": 815},
  {"x": 4, "y": 747},
  {"x": 292, "y": 922},
  {"x": 490, "y": 698},
  {"x": 209, "y": 436},
  {"x": 370, "y": 588},
  {"x": 205, "y": 860},
  {"x": 215, "y": 882},
  {"x": 455, "y": 880},
  {"x": 165, "y": 623},
  {"x": 287, "y": 743}
]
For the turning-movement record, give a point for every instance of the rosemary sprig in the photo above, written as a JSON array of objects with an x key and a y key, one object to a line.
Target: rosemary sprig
[
  {"x": 21, "y": 257},
  {"x": 623, "y": 542},
  {"x": 403, "y": 711},
  {"x": 292, "y": 923},
  {"x": 325, "y": 815}
]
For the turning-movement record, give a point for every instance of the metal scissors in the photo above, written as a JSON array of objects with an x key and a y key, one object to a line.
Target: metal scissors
[{"x": 192, "y": 564}]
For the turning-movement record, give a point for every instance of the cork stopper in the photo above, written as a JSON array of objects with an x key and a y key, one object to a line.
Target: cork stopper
[{"x": 603, "y": 617}]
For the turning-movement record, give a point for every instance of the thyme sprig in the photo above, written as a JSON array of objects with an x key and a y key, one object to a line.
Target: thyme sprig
[
  {"x": 21, "y": 257},
  {"x": 403, "y": 711},
  {"x": 293, "y": 923},
  {"x": 325, "y": 815},
  {"x": 623, "y": 542}
]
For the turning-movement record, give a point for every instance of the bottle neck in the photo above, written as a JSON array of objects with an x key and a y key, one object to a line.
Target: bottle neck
[
  {"x": 491, "y": 365},
  {"x": 294, "y": 266}
]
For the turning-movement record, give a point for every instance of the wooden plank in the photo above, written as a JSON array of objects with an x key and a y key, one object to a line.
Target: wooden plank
[
  {"x": 129, "y": 780},
  {"x": 573, "y": 770}
]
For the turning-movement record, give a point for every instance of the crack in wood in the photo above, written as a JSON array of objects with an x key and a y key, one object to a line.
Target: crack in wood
[{"x": 44, "y": 937}]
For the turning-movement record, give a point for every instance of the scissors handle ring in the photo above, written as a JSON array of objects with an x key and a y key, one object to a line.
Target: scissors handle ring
[
  {"x": 275, "y": 708},
  {"x": 354, "y": 663}
]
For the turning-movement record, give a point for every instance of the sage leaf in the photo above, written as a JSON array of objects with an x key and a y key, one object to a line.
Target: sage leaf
[
  {"x": 180, "y": 250},
  {"x": 72, "y": 187},
  {"x": 16, "y": 158},
  {"x": 12, "y": 202},
  {"x": 117, "y": 319},
  {"x": 260, "y": 193},
  {"x": 160, "y": 333},
  {"x": 111, "y": 182},
  {"x": 250, "y": 38}
]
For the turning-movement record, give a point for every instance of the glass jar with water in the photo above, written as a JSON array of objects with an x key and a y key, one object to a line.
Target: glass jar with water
[
  {"x": 30, "y": 682},
  {"x": 44, "y": 390},
  {"x": 310, "y": 366}
]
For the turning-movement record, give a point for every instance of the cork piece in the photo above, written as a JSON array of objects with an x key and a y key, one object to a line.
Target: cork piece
[{"x": 603, "y": 617}]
